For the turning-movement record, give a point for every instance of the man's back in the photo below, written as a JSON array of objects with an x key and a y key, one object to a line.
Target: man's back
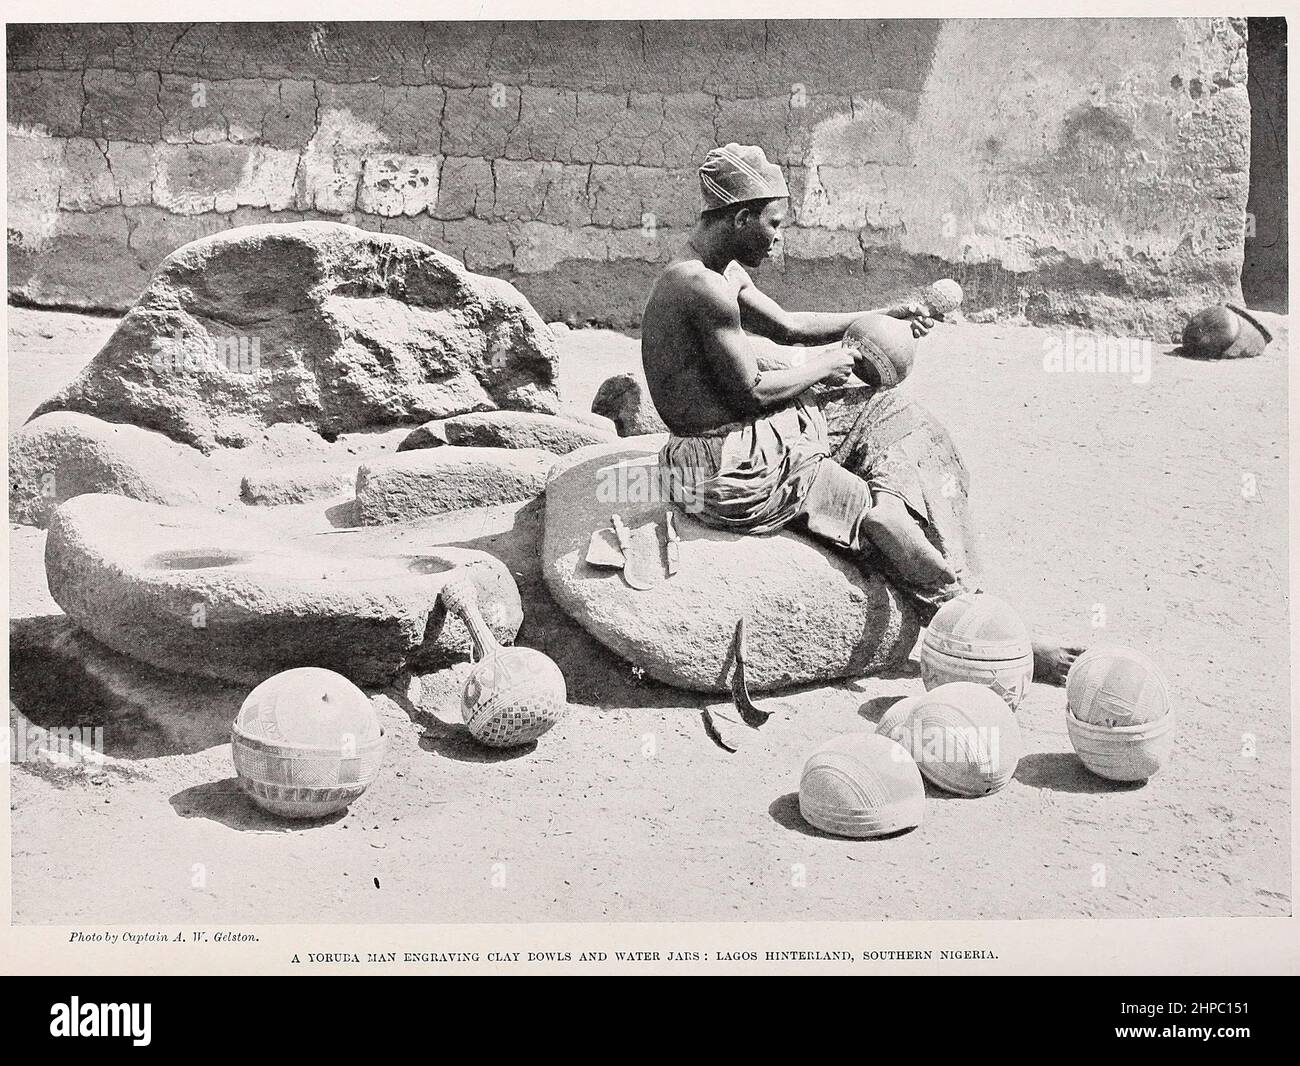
[{"x": 677, "y": 369}]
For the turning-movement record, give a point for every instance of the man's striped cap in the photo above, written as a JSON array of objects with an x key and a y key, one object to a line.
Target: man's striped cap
[{"x": 737, "y": 173}]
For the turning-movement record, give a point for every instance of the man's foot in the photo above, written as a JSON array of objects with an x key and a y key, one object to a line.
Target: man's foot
[
  {"x": 1052, "y": 662},
  {"x": 891, "y": 528}
]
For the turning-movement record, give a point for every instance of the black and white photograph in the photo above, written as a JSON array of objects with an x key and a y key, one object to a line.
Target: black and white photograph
[{"x": 716, "y": 471}]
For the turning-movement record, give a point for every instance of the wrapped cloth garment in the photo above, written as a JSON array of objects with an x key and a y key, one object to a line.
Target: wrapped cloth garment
[
  {"x": 751, "y": 476},
  {"x": 763, "y": 474}
]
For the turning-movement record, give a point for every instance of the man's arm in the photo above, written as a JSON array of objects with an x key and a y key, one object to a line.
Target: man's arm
[
  {"x": 747, "y": 389},
  {"x": 762, "y": 315}
]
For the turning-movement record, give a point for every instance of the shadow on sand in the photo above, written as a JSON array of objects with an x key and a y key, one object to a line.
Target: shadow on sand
[
  {"x": 453, "y": 740},
  {"x": 1063, "y": 772},
  {"x": 456, "y": 742},
  {"x": 785, "y": 812},
  {"x": 877, "y": 707},
  {"x": 61, "y": 676},
  {"x": 225, "y": 802}
]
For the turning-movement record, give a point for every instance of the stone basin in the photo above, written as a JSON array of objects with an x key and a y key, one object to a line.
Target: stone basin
[
  {"x": 273, "y": 564},
  {"x": 224, "y": 596}
]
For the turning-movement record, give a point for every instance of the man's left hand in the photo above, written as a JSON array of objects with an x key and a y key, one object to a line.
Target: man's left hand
[{"x": 921, "y": 322}]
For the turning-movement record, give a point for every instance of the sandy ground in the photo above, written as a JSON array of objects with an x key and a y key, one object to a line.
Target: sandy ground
[{"x": 1099, "y": 499}]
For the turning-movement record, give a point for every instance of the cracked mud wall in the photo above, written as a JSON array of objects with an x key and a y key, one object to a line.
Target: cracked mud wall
[{"x": 1093, "y": 172}]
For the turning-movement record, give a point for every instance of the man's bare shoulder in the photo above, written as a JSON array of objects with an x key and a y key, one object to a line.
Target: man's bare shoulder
[
  {"x": 693, "y": 285},
  {"x": 738, "y": 275}
]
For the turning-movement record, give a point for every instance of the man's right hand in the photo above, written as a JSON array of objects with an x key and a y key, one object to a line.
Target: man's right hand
[{"x": 839, "y": 364}]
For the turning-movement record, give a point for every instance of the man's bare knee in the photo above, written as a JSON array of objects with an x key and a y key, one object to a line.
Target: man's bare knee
[
  {"x": 884, "y": 504},
  {"x": 889, "y": 512}
]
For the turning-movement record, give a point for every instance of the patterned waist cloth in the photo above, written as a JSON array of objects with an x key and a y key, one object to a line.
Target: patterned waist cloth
[
  {"x": 751, "y": 476},
  {"x": 760, "y": 475}
]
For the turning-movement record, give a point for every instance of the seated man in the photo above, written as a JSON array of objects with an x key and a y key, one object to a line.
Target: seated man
[{"x": 748, "y": 448}]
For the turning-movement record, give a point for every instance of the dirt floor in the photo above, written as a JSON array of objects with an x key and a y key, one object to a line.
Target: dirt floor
[{"x": 1111, "y": 511}]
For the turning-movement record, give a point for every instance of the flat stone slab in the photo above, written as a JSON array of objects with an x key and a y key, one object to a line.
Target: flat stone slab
[
  {"x": 508, "y": 429},
  {"x": 419, "y": 484},
  {"x": 297, "y": 483},
  {"x": 811, "y": 615},
  {"x": 65, "y": 454},
  {"x": 196, "y": 592},
  {"x": 587, "y": 418}
]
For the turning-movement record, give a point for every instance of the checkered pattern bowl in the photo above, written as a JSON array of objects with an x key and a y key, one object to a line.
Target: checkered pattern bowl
[
  {"x": 512, "y": 697},
  {"x": 306, "y": 743},
  {"x": 296, "y": 783}
]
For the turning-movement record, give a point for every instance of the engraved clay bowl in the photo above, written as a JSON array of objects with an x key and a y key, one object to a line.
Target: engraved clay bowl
[
  {"x": 1116, "y": 686},
  {"x": 893, "y": 721},
  {"x": 977, "y": 625},
  {"x": 861, "y": 785},
  {"x": 1009, "y": 678},
  {"x": 965, "y": 739},
  {"x": 1123, "y": 753},
  {"x": 306, "y": 743}
]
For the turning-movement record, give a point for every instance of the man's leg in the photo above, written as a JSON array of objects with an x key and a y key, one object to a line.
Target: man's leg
[
  {"x": 873, "y": 520},
  {"x": 890, "y": 527},
  {"x": 890, "y": 440}
]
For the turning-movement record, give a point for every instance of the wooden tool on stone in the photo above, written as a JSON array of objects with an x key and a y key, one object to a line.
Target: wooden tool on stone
[
  {"x": 645, "y": 563},
  {"x": 635, "y": 572},
  {"x": 674, "y": 555},
  {"x": 749, "y": 710},
  {"x": 603, "y": 550}
]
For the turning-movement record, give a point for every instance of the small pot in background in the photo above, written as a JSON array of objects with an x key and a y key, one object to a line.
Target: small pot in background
[{"x": 1224, "y": 332}]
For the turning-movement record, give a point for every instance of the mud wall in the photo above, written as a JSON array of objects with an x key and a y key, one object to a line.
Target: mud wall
[{"x": 1091, "y": 172}]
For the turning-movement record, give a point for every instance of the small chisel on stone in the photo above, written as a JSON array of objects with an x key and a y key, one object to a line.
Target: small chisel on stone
[{"x": 673, "y": 542}]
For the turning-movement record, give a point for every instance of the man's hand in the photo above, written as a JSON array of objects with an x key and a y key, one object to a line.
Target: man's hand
[
  {"x": 839, "y": 364},
  {"x": 921, "y": 322}
]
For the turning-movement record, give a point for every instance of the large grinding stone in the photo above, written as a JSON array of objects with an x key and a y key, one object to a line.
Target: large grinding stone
[
  {"x": 811, "y": 614},
  {"x": 336, "y": 328},
  {"x": 509, "y": 429},
  {"x": 198, "y": 592}
]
